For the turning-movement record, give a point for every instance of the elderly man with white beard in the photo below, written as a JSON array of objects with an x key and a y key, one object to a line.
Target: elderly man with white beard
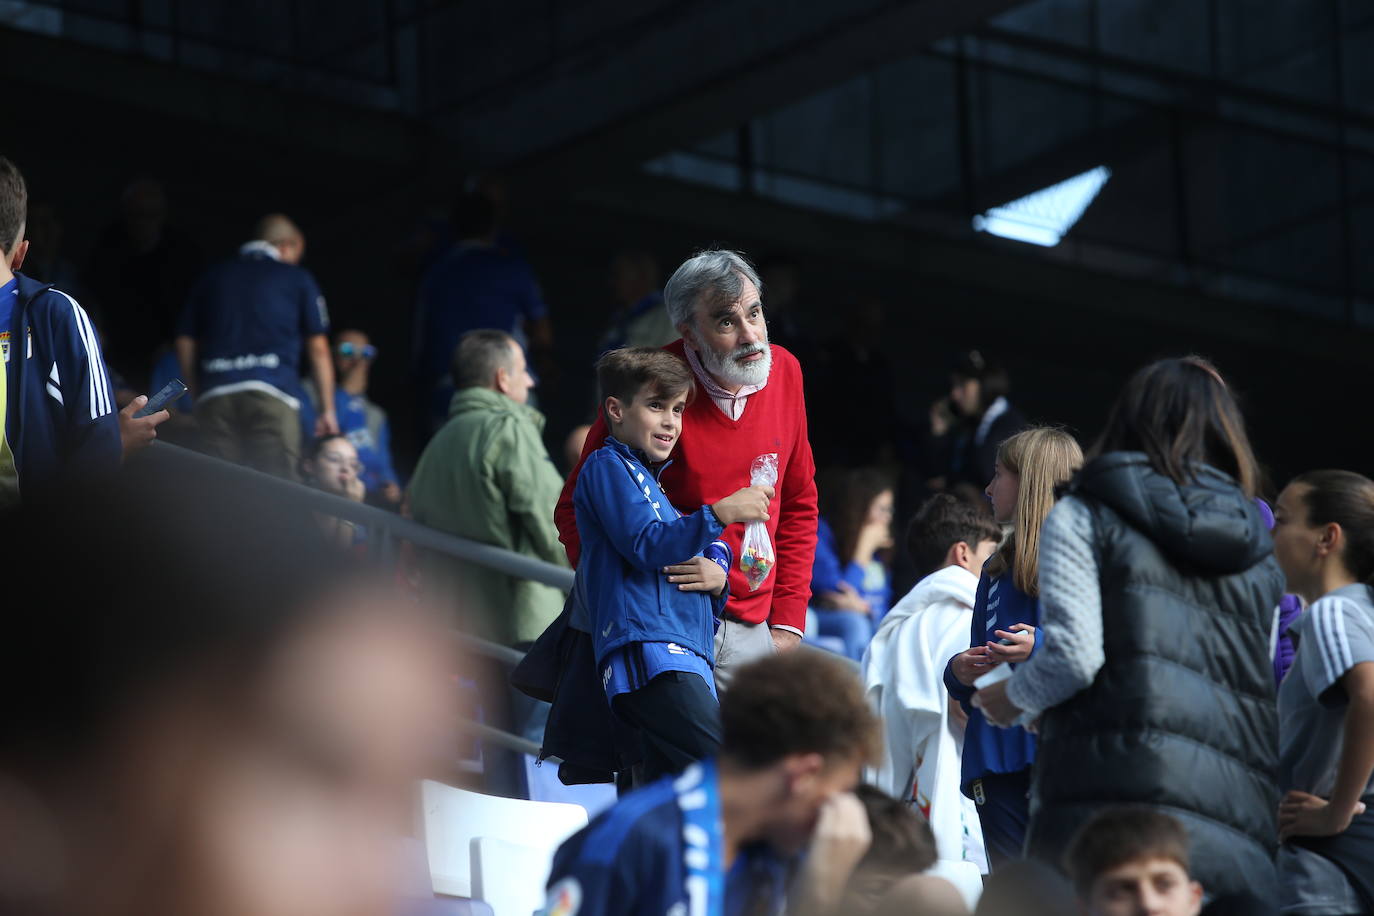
[{"x": 749, "y": 404}]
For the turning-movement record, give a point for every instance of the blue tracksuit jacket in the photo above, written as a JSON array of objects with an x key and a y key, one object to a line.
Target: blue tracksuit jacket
[{"x": 61, "y": 419}]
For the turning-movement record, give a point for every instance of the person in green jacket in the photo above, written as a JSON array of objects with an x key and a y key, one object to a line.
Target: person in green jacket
[{"x": 487, "y": 476}]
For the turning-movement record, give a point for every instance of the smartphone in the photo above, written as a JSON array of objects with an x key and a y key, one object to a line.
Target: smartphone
[
  {"x": 171, "y": 392},
  {"x": 995, "y": 676}
]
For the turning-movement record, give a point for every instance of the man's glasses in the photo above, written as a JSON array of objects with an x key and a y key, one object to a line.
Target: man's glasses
[{"x": 367, "y": 351}]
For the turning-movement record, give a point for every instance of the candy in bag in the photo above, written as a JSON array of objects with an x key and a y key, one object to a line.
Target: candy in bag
[{"x": 756, "y": 556}]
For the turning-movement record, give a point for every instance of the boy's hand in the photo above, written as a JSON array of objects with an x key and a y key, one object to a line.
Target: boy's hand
[
  {"x": 971, "y": 664},
  {"x": 1303, "y": 814},
  {"x": 1023, "y": 635},
  {"x": 136, "y": 433},
  {"x": 747, "y": 504},
  {"x": 697, "y": 575}
]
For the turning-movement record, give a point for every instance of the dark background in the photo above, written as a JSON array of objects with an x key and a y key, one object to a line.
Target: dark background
[{"x": 855, "y": 138}]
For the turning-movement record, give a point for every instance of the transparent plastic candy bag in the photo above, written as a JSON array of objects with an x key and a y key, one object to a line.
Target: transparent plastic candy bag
[{"x": 756, "y": 556}]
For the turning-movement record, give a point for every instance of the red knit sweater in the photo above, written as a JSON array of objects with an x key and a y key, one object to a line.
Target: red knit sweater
[{"x": 712, "y": 460}]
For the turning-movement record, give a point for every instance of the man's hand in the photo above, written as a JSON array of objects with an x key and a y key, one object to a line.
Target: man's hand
[
  {"x": 872, "y": 538},
  {"x": 1301, "y": 814},
  {"x": 1023, "y": 637},
  {"x": 391, "y": 492},
  {"x": 138, "y": 434},
  {"x": 997, "y": 708},
  {"x": 971, "y": 664},
  {"x": 747, "y": 504},
  {"x": 846, "y": 598},
  {"x": 697, "y": 575},
  {"x": 326, "y": 424},
  {"x": 838, "y": 843},
  {"x": 784, "y": 640}
]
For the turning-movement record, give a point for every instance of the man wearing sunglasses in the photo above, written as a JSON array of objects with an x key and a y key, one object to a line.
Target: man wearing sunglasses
[{"x": 362, "y": 421}]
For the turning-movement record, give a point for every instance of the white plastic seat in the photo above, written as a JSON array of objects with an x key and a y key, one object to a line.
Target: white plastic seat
[{"x": 453, "y": 818}]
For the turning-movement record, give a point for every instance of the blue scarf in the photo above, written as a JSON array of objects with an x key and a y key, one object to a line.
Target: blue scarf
[{"x": 703, "y": 838}]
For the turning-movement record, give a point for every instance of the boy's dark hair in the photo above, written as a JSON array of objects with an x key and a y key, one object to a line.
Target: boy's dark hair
[
  {"x": 941, "y": 522},
  {"x": 1182, "y": 415},
  {"x": 14, "y": 204},
  {"x": 1121, "y": 835},
  {"x": 903, "y": 845},
  {"x": 802, "y": 702},
  {"x": 622, "y": 374}
]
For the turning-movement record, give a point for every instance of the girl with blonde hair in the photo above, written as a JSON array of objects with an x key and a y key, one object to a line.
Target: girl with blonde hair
[
  {"x": 1030, "y": 467},
  {"x": 1158, "y": 588}
]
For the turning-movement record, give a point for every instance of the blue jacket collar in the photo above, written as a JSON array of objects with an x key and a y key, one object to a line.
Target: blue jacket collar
[{"x": 624, "y": 451}]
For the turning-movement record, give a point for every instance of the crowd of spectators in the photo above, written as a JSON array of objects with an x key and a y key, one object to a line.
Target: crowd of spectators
[{"x": 1122, "y": 678}]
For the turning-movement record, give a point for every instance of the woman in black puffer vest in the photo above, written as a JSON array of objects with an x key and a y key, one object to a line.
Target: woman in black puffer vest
[{"x": 1158, "y": 587}]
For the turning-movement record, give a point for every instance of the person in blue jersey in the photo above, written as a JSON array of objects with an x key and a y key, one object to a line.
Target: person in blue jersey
[
  {"x": 997, "y": 762},
  {"x": 57, "y": 409},
  {"x": 725, "y": 837},
  {"x": 239, "y": 343},
  {"x": 477, "y": 283},
  {"x": 653, "y": 581},
  {"x": 360, "y": 419}
]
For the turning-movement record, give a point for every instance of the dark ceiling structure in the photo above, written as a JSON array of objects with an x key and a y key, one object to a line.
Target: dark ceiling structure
[{"x": 1237, "y": 137}]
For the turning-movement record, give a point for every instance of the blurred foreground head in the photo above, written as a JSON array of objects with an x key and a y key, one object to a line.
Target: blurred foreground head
[{"x": 203, "y": 712}]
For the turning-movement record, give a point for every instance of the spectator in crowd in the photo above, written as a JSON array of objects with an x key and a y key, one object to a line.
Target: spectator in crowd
[
  {"x": 239, "y": 345},
  {"x": 851, "y": 586},
  {"x": 57, "y": 413},
  {"x": 476, "y": 284},
  {"x": 640, "y": 319},
  {"x": 891, "y": 877},
  {"x": 359, "y": 418},
  {"x": 332, "y": 465},
  {"x": 977, "y": 420},
  {"x": 1031, "y": 466},
  {"x": 1324, "y": 541},
  {"x": 1158, "y": 587},
  {"x": 654, "y": 646},
  {"x": 1127, "y": 861},
  {"x": 572, "y": 446},
  {"x": 140, "y": 272},
  {"x": 923, "y": 731},
  {"x": 753, "y": 406},
  {"x": 487, "y": 476},
  {"x": 723, "y": 836},
  {"x": 246, "y": 741}
]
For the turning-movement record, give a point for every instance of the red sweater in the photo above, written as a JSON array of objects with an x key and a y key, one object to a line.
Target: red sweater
[{"x": 712, "y": 460}]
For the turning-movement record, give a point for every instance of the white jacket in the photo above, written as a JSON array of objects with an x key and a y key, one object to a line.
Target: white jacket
[{"x": 904, "y": 677}]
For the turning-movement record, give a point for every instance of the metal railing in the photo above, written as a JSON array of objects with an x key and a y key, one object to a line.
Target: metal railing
[{"x": 385, "y": 530}]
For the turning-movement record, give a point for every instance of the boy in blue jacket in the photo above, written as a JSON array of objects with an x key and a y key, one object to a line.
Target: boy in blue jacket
[
  {"x": 58, "y": 418},
  {"x": 653, "y": 580}
]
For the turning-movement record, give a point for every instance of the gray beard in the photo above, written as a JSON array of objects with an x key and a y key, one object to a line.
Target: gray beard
[{"x": 732, "y": 373}]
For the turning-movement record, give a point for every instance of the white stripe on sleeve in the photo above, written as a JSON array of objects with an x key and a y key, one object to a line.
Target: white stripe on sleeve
[
  {"x": 98, "y": 385},
  {"x": 1322, "y": 631},
  {"x": 1343, "y": 655}
]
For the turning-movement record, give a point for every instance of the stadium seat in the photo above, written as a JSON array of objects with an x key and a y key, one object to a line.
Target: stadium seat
[
  {"x": 453, "y": 818},
  {"x": 544, "y": 785},
  {"x": 509, "y": 877},
  {"x": 417, "y": 894}
]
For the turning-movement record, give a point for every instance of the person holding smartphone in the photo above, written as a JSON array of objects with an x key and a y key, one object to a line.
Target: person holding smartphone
[{"x": 1006, "y": 614}]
